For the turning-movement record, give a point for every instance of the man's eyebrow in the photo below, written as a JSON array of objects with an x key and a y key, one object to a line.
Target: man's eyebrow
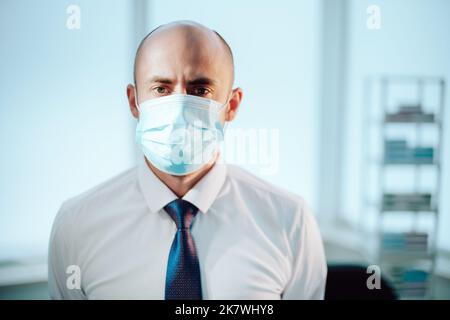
[
  {"x": 197, "y": 81},
  {"x": 202, "y": 80},
  {"x": 158, "y": 79}
]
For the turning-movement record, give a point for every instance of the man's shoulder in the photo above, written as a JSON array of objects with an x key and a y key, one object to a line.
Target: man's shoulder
[
  {"x": 252, "y": 185},
  {"x": 107, "y": 192},
  {"x": 274, "y": 210}
]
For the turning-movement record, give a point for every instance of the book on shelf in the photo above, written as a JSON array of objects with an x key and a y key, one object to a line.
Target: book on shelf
[
  {"x": 406, "y": 202},
  {"x": 409, "y": 113},
  {"x": 409, "y": 281},
  {"x": 404, "y": 242},
  {"x": 398, "y": 152}
]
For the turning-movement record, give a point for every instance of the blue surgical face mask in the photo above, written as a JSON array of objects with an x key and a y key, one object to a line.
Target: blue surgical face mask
[{"x": 179, "y": 133}]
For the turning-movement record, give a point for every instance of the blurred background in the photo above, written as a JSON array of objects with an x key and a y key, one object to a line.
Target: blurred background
[{"x": 356, "y": 90}]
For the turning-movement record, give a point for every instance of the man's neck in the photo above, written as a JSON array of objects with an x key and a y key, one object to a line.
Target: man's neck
[{"x": 180, "y": 185}]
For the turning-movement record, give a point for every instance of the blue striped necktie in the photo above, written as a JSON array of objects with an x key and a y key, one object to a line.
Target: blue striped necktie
[{"x": 183, "y": 270}]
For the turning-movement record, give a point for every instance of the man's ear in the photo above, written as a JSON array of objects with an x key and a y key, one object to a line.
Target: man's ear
[
  {"x": 233, "y": 105},
  {"x": 132, "y": 101}
]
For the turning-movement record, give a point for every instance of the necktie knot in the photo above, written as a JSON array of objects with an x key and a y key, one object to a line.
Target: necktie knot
[{"x": 182, "y": 212}]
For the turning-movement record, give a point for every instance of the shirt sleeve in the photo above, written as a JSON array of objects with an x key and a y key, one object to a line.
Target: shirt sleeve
[
  {"x": 60, "y": 258},
  {"x": 309, "y": 268}
]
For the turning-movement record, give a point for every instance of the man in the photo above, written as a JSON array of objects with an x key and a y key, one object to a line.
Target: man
[{"x": 183, "y": 225}]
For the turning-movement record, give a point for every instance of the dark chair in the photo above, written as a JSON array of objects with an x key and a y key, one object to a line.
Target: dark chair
[{"x": 349, "y": 282}]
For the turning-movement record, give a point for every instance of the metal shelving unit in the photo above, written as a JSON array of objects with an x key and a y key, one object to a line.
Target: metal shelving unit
[{"x": 408, "y": 257}]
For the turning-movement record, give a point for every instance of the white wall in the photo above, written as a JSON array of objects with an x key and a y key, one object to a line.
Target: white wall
[
  {"x": 276, "y": 48},
  {"x": 64, "y": 119},
  {"x": 413, "y": 40}
]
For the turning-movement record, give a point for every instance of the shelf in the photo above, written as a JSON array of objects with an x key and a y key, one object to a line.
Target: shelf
[
  {"x": 404, "y": 211},
  {"x": 405, "y": 154},
  {"x": 412, "y": 164},
  {"x": 433, "y": 122},
  {"x": 412, "y": 121},
  {"x": 400, "y": 257},
  {"x": 378, "y": 161}
]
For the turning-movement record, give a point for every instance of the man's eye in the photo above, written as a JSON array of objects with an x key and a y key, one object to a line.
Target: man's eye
[
  {"x": 201, "y": 91},
  {"x": 160, "y": 90}
]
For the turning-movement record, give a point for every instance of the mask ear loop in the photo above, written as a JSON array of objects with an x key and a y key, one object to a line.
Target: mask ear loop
[
  {"x": 136, "y": 99},
  {"x": 225, "y": 125}
]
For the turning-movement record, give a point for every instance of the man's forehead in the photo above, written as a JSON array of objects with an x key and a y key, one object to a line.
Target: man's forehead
[
  {"x": 190, "y": 44},
  {"x": 183, "y": 64}
]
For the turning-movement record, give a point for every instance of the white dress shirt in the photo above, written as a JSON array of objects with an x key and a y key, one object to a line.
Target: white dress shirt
[{"x": 253, "y": 240}]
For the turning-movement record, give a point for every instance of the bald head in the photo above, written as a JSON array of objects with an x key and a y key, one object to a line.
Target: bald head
[
  {"x": 196, "y": 42},
  {"x": 185, "y": 57}
]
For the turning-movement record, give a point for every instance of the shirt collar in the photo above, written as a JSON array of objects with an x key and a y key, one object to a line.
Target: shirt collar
[{"x": 202, "y": 195}]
